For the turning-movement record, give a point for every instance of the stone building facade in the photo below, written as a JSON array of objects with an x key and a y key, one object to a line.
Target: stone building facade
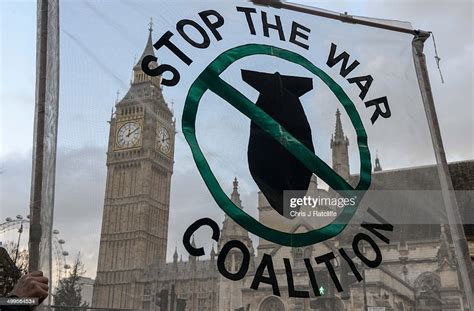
[{"x": 418, "y": 272}]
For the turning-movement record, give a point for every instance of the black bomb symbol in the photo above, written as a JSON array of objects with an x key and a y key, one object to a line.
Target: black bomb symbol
[{"x": 273, "y": 167}]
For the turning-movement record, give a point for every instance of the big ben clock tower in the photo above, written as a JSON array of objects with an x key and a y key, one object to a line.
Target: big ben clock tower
[{"x": 136, "y": 206}]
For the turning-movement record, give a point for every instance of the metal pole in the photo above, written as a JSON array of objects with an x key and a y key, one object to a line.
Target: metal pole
[
  {"x": 327, "y": 14},
  {"x": 45, "y": 138},
  {"x": 364, "y": 287},
  {"x": 461, "y": 247}
]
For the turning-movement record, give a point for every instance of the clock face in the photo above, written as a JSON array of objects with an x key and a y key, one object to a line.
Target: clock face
[
  {"x": 128, "y": 135},
  {"x": 164, "y": 141}
]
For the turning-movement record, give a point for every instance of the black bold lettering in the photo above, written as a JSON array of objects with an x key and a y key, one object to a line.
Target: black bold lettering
[
  {"x": 378, "y": 254},
  {"x": 271, "y": 279},
  {"x": 292, "y": 292},
  {"x": 351, "y": 264},
  {"x": 248, "y": 15},
  {"x": 332, "y": 61},
  {"x": 374, "y": 227},
  {"x": 165, "y": 41},
  {"x": 213, "y": 26},
  {"x": 326, "y": 258},
  {"x": 205, "y": 38},
  {"x": 239, "y": 275},
  {"x": 193, "y": 228},
  {"x": 377, "y": 216},
  {"x": 296, "y": 33},
  {"x": 378, "y": 111},
  {"x": 384, "y": 225},
  {"x": 158, "y": 71},
  {"x": 312, "y": 277},
  {"x": 364, "y": 87},
  {"x": 278, "y": 27}
]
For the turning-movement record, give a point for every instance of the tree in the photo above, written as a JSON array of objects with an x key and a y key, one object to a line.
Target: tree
[{"x": 69, "y": 290}]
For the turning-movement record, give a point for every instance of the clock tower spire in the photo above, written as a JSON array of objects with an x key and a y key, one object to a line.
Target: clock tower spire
[
  {"x": 136, "y": 206},
  {"x": 138, "y": 75}
]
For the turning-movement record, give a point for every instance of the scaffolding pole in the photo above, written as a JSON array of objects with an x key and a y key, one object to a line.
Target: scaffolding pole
[{"x": 44, "y": 140}]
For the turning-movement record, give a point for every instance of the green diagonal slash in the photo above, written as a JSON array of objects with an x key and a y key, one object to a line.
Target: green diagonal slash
[{"x": 209, "y": 80}]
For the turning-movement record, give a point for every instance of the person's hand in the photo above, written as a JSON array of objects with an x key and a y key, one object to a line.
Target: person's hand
[{"x": 32, "y": 285}]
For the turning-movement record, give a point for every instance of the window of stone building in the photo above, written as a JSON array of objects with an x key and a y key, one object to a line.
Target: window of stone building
[{"x": 272, "y": 304}]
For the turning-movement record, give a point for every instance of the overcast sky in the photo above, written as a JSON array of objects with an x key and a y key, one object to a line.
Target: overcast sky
[{"x": 95, "y": 64}]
